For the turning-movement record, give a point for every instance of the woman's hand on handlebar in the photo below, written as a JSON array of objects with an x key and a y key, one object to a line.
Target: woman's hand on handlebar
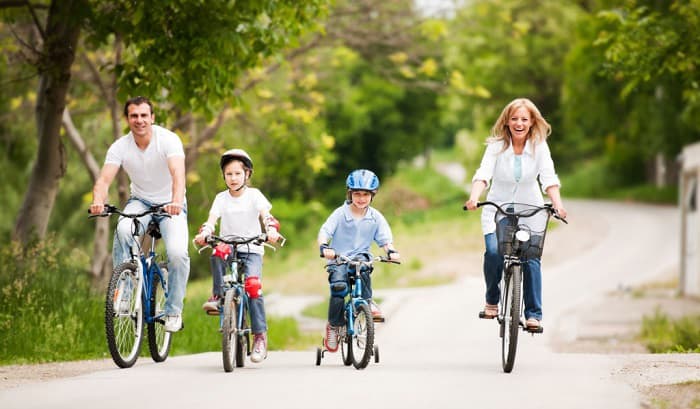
[{"x": 471, "y": 204}]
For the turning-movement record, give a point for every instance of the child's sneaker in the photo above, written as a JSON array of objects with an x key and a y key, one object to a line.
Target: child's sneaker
[
  {"x": 211, "y": 307},
  {"x": 259, "y": 348},
  {"x": 377, "y": 315},
  {"x": 331, "y": 339}
]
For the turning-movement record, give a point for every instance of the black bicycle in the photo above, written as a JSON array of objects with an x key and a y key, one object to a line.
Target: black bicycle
[
  {"x": 136, "y": 294},
  {"x": 520, "y": 231}
]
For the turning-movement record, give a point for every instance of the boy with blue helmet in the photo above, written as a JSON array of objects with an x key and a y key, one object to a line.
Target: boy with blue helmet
[{"x": 350, "y": 230}]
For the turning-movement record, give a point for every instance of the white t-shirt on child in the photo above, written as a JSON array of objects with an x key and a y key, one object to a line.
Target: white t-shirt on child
[{"x": 240, "y": 215}]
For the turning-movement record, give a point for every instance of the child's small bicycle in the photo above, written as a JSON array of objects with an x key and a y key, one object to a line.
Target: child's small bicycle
[
  {"x": 136, "y": 293},
  {"x": 233, "y": 310},
  {"x": 520, "y": 231},
  {"x": 356, "y": 335}
]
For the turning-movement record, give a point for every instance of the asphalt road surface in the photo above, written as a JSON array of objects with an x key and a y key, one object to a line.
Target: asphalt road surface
[{"x": 434, "y": 351}]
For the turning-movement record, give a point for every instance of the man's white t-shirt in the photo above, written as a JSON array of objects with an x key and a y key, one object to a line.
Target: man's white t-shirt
[
  {"x": 148, "y": 169},
  {"x": 240, "y": 215}
]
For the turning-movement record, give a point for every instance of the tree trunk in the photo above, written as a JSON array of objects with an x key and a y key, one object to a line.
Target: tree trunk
[{"x": 62, "y": 32}]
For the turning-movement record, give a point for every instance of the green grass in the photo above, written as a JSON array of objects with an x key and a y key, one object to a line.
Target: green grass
[
  {"x": 662, "y": 334},
  {"x": 594, "y": 180}
]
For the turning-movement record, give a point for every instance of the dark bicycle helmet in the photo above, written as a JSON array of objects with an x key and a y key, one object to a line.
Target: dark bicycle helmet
[
  {"x": 362, "y": 179},
  {"x": 236, "y": 154}
]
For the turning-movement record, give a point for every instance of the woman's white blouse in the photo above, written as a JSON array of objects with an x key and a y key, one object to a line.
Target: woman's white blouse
[{"x": 497, "y": 169}]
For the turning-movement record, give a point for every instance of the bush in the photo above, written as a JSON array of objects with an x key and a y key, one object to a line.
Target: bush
[
  {"x": 662, "y": 334},
  {"x": 47, "y": 312}
]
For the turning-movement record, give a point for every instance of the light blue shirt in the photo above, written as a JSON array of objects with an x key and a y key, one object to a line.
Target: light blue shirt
[{"x": 350, "y": 236}]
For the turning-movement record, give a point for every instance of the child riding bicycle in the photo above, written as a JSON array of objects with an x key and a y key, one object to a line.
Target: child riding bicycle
[
  {"x": 350, "y": 230},
  {"x": 241, "y": 209}
]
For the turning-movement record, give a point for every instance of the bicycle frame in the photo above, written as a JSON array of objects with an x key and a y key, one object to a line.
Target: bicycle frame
[
  {"x": 354, "y": 302},
  {"x": 234, "y": 282}
]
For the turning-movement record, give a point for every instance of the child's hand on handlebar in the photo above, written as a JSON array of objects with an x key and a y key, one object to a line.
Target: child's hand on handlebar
[{"x": 201, "y": 239}]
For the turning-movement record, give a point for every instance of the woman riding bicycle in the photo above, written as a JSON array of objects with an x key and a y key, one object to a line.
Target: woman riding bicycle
[{"x": 516, "y": 155}]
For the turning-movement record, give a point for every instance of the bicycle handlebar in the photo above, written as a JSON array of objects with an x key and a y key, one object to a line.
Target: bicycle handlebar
[
  {"x": 260, "y": 239},
  {"x": 341, "y": 259},
  {"x": 524, "y": 213},
  {"x": 109, "y": 210}
]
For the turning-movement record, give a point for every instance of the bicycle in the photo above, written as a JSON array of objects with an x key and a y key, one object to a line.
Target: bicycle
[
  {"x": 356, "y": 335},
  {"x": 233, "y": 311},
  {"x": 136, "y": 293},
  {"x": 520, "y": 234}
]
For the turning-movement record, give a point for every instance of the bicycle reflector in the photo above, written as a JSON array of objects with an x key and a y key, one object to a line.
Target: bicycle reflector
[{"x": 253, "y": 287}]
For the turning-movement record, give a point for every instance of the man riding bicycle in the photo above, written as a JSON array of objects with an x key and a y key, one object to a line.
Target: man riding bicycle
[{"x": 154, "y": 159}]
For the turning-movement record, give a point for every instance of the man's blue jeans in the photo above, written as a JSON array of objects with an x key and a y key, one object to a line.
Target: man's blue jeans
[
  {"x": 532, "y": 278},
  {"x": 175, "y": 237}
]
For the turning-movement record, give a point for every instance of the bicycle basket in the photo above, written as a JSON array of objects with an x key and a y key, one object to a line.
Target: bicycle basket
[{"x": 508, "y": 225}]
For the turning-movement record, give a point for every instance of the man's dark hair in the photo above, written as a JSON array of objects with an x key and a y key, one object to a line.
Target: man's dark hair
[{"x": 136, "y": 101}]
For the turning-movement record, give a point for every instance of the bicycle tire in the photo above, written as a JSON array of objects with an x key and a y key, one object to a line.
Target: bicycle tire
[
  {"x": 229, "y": 335},
  {"x": 345, "y": 347},
  {"x": 158, "y": 338},
  {"x": 363, "y": 337},
  {"x": 124, "y": 317},
  {"x": 242, "y": 345},
  {"x": 511, "y": 318}
]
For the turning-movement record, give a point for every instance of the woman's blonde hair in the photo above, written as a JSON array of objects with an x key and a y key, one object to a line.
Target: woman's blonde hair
[{"x": 539, "y": 131}]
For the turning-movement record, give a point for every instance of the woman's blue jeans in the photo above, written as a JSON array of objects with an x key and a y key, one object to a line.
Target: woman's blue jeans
[
  {"x": 253, "y": 263},
  {"x": 532, "y": 278}
]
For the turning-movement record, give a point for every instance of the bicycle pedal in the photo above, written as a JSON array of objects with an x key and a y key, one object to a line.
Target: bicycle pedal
[
  {"x": 378, "y": 319},
  {"x": 483, "y": 316},
  {"x": 210, "y": 312}
]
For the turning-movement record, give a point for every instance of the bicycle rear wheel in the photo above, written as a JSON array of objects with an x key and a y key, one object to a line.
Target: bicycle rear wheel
[
  {"x": 363, "y": 337},
  {"x": 158, "y": 338},
  {"x": 345, "y": 346},
  {"x": 124, "y": 315},
  {"x": 229, "y": 338},
  {"x": 511, "y": 316}
]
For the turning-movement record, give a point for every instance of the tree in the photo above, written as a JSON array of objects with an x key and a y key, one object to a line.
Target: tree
[{"x": 180, "y": 51}]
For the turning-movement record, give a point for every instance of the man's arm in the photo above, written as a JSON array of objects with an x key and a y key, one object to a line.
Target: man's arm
[
  {"x": 100, "y": 190},
  {"x": 176, "y": 165}
]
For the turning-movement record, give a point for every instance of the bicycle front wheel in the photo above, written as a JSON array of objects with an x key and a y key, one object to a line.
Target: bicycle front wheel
[
  {"x": 229, "y": 339},
  {"x": 242, "y": 345},
  {"x": 158, "y": 338},
  {"x": 124, "y": 315},
  {"x": 363, "y": 338},
  {"x": 511, "y": 316}
]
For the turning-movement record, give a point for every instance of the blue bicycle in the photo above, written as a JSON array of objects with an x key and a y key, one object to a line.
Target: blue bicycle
[
  {"x": 136, "y": 294},
  {"x": 233, "y": 311},
  {"x": 356, "y": 336}
]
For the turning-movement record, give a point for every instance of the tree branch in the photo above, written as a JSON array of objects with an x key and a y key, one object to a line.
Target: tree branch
[{"x": 79, "y": 144}]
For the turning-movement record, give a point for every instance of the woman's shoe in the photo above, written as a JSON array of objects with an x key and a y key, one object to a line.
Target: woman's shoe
[
  {"x": 490, "y": 311},
  {"x": 532, "y": 323}
]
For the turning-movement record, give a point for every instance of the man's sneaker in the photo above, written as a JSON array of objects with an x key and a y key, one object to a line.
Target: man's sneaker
[
  {"x": 173, "y": 323},
  {"x": 377, "y": 315},
  {"x": 259, "y": 348},
  {"x": 331, "y": 339},
  {"x": 211, "y": 307}
]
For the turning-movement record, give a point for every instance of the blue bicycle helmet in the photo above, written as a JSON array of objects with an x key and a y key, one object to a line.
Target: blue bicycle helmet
[{"x": 362, "y": 179}]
